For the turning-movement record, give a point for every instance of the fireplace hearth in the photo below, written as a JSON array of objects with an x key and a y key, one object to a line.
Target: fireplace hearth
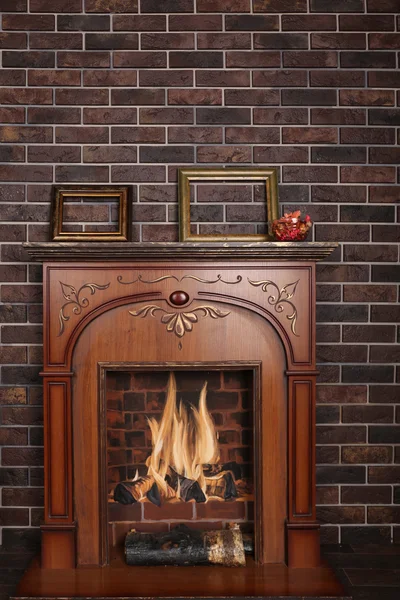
[{"x": 179, "y": 401}]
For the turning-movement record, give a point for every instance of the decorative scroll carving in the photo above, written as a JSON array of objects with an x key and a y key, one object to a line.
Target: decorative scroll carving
[
  {"x": 280, "y": 298},
  {"x": 179, "y": 279},
  {"x": 179, "y": 322},
  {"x": 74, "y": 298}
]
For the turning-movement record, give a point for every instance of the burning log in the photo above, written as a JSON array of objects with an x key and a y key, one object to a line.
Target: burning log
[
  {"x": 129, "y": 492},
  {"x": 190, "y": 490},
  {"x": 234, "y": 467},
  {"x": 222, "y": 486},
  {"x": 186, "y": 547}
]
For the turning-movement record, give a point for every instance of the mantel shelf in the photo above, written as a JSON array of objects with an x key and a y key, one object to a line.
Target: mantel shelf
[{"x": 164, "y": 251}]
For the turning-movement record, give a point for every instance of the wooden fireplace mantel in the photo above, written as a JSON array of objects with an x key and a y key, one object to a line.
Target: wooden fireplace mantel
[{"x": 104, "y": 305}]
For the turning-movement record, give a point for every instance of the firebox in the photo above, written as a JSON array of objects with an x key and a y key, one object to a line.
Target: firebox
[
  {"x": 180, "y": 449},
  {"x": 179, "y": 393}
]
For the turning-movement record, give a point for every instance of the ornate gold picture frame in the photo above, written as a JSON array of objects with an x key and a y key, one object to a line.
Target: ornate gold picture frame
[
  {"x": 243, "y": 174},
  {"x": 119, "y": 194}
]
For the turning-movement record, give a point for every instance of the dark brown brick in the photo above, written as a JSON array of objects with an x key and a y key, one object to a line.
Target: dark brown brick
[
  {"x": 54, "y": 154},
  {"x": 223, "y": 78},
  {"x": 37, "y": 60},
  {"x": 29, "y": 22},
  {"x": 13, "y": 5},
  {"x": 140, "y": 23},
  {"x": 366, "y": 97},
  {"x": 279, "y": 154},
  {"x": 280, "y": 78},
  {"x": 381, "y": 41},
  {"x": 366, "y": 494},
  {"x": 369, "y": 293},
  {"x": 26, "y": 96},
  {"x": 322, "y": 154},
  {"x": 13, "y": 40},
  {"x": 368, "y": 60},
  {"x": 328, "y": 494},
  {"x": 339, "y": 6},
  {"x": 280, "y": 116},
  {"x": 384, "y": 474},
  {"x": 111, "y": 6},
  {"x": 190, "y": 23},
  {"x": 139, "y": 96},
  {"x": 166, "y": 154},
  {"x": 167, "y": 6},
  {"x": 81, "y": 174},
  {"x": 133, "y": 135},
  {"x": 12, "y": 77},
  {"x": 312, "y": 59},
  {"x": 341, "y": 514},
  {"x": 308, "y": 22},
  {"x": 12, "y": 153},
  {"x": 340, "y": 474},
  {"x": 278, "y": 41},
  {"x": 376, "y": 214},
  {"x": 81, "y": 96},
  {"x": 168, "y": 78},
  {"x": 383, "y": 78},
  {"x": 368, "y": 174},
  {"x": 81, "y": 135},
  {"x": 223, "y": 41},
  {"x": 385, "y": 314},
  {"x": 375, "y": 6},
  {"x": 109, "y": 116},
  {"x": 324, "y": 415},
  {"x": 259, "y": 97},
  {"x": 309, "y": 97},
  {"x": 327, "y": 313},
  {"x": 327, "y": 454},
  {"x": 57, "y": 6},
  {"x": 109, "y": 154},
  {"x": 165, "y": 41},
  {"x": 209, "y": 116},
  {"x": 222, "y": 154},
  {"x": 384, "y": 394},
  {"x": 166, "y": 115},
  {"x": 195, "y": 97},
  {"x": 332, "y": 353},
  {"x": 55, "y": 41},
  {"x": 54, "y": 115},
  {"x": 251, "y": 22},
  {"x": 255, "y": 59},
  {"x": 57, "y": 77},
  {"x": 196, "y": 59},
  {"x": 25, "y": 173},
  {"x": 309, "y": 174},
  {"x": 280, "y": 6},
  {"x": 385, "y": 354},
  {"x": 111, "y": 41},
  {"x": 83, "y": 23},
  {"x": 368, "y": 333},
  {"x": 370, "y": 253},
  {"x": 366, "y": 23},
  {"x": 384, "y": 156},
  {"x": 259, "y": 135},
  {"x": 367, "y": 414},
  {"x": 309, "y": 135},
  {"x": 339, "y": 41},
  {"x": 154, "y": 60},
  {"x": 114, "y": 78},
  {"x": 223, "y": 6},
  {"x": 367, "y": 374},
  {"x": 383, "y": 514},
  {"x": 341, "y": 434},
  {"x": 78, "y": 60},
  {"x": 137, "y": 174},
  {"x": 386, "y": 233},
  {"x": 337, "y": 79},
  {"x": 338, "y": 116},
  {"x": 365, "y": 454}
]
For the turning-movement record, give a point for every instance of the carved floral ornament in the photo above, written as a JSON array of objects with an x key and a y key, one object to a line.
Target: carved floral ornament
[{"x": 180, "y": 322}]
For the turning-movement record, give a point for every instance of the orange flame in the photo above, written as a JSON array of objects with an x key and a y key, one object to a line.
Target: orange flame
[{"x": 184, "y": 440}]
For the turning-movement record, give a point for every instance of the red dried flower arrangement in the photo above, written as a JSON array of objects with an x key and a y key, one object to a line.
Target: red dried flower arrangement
[{"x": 290, "y": 227}]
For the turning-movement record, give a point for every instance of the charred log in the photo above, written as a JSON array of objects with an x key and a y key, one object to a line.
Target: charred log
[
  {"x": 129, "y": 492},
  {"x": 185, "y": 547},
  {"x": 222, "y": 486},
  {"x": 234, "y": 467},
  {"x": 189, "y": 489}
]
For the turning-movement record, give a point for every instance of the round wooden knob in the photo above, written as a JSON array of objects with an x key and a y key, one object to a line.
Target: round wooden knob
[{"x": 179, "y": 298}]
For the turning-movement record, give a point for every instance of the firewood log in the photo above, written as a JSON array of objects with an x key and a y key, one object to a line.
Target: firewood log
[
  {"x": 234, "y": 467},
  {"x": 185, "y": 547},
  {"x": 190, "y": 490},
  {"x": 222, "y": 486},
  {"x": 129, "y": 492}
]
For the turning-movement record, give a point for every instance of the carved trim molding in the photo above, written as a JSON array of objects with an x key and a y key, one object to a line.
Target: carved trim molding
[
  {"x": 179, "y": 322},
  {"x": 73, "y": 298},
  {"x": 180, "y": 279},
  {"x": 280, "y": 298}
]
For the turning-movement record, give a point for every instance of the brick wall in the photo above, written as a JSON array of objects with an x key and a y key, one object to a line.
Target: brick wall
[{"x": 125, "y": 91}]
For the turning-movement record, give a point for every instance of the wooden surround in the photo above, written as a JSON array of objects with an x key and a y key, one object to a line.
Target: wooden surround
[{"x": 241, "y": 306}]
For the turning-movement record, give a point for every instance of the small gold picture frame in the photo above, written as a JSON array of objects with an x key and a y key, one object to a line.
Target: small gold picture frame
[
  {"x": 117, "y": 194},
  {"x": 243, "y": 174}
]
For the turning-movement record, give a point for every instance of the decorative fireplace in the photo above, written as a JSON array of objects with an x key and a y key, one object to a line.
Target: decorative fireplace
[{"x": 179, "y": 389}]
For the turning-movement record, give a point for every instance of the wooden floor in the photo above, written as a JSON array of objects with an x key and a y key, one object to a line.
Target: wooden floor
[{"x": 121, "y": 581}]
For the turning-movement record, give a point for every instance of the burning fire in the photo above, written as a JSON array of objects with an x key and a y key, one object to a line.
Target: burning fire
[{"x": 183, "y": 442}]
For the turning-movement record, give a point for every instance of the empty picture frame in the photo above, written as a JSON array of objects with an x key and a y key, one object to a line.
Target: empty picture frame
[
  {"x": 117, "y": 194},
  {"x": 239, "y": 174}
]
